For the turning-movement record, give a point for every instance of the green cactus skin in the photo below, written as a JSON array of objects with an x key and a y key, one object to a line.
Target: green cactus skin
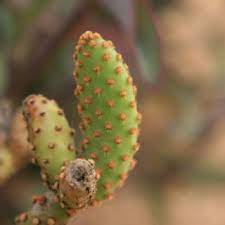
[
  {"x": 45, "y": 210},
  {"x": 107, "y": 107},
  {"x": 50, "y": 135}
]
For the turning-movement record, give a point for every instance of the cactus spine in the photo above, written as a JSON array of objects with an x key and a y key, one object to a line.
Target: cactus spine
[{"x": 107, "y": 107}]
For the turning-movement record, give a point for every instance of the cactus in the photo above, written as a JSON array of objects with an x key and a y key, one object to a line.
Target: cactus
[
  {"x": 50, "y": 135},
  {"x": 107, "y": 107},
  {"x": 45, "y": 210},
  {"x": 54, "y": 150},
  {"x": 109, "y": 122},
  {"x": 77, "y": 184}
]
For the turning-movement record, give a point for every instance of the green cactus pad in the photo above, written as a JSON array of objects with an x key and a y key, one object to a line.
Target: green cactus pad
[
  {"x": 50, "y": 135},
  {"x": 108, "y": 111},
  {"x": 45, "y": 210}
]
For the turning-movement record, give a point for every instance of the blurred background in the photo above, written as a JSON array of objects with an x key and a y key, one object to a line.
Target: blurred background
[{"x": 176, "y": 52}]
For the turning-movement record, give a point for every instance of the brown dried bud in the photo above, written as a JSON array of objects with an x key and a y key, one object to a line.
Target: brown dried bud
[{"x": 78, "y": 183}]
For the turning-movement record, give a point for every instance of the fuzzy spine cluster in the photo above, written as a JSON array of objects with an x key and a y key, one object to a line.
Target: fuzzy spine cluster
[{"x": 107, "y": 107}]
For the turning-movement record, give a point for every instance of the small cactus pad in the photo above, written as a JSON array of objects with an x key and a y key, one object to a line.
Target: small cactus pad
[
  {"x": 45, "y": 210},
  {"x": 50, "y": 135},
  {"x": 77, "y": 183},
  {"x": 107, "y": 107}
]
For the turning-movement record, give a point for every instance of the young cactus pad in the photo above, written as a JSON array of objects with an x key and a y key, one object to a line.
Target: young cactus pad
[
  {"x": 107, "y": 107},
  {"x": 50, "y": 135},
  {"x": 73, "y": 180}
]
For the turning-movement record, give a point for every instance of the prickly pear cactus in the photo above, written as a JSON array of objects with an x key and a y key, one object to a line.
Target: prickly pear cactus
[
  {"x": 108, "y": 111},
  {"x": 50, "y": 135},
  {"x": 73, "y": 180},
  {"x": 109, "y": 122}
]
